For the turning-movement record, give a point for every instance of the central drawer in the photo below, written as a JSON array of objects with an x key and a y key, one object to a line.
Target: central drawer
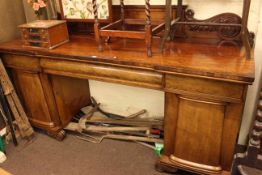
[{"x": 108, "y": 73}]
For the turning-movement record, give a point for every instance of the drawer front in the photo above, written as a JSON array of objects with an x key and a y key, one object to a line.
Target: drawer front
[
  {"x": 105, "y": 73},
  {"x": 204, "y": 87},
  {"x": 38, "y": 34},
  {"x": 26, "y": 63}
]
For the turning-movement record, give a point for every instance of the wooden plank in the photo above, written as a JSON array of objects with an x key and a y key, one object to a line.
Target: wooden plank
[
  {"x": 158, "y": 28},
  {"x": 123, "y": 34},
  {"x": 113, "y": 25}
]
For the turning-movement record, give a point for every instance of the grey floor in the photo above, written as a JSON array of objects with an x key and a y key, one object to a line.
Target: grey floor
[{"x": 46, "y": 156}]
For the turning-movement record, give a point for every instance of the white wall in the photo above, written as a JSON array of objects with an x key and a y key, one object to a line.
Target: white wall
[
  {"x": 125, "y": 100},
  {"x": 253, "y": 90},
  {"x": 11, "y": 15}
]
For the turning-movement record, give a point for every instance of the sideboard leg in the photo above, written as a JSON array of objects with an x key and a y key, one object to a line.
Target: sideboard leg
[
  {"x": 161, "y": 167},
  {"x": 60, "y": 135}
]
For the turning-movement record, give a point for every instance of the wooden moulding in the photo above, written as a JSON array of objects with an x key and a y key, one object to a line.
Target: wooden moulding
[
  {"x": 195, "y": 166},
  {"x": 165, "y": 164}
]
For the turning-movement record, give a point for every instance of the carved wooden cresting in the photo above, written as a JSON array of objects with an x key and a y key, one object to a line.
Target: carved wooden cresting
[{"x": 224, "y": 32}]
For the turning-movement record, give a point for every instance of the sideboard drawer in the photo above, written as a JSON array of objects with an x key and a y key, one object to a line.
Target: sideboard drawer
[
  {"x": 25, "y": 63},
  {"x": 100, "y": 72},
  {"x": 204, "y": 87}
]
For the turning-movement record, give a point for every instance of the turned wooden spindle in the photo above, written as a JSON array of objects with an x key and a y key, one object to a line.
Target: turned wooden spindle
[
  {"x": 147, "y": 10},
  {"x": 257, "y": 129},
  {"x": 96, "y": 25},
  {"x": 95, "y": 11},
  {"x": 148, "y": 28},
  {"x": 250, "y": 163}
]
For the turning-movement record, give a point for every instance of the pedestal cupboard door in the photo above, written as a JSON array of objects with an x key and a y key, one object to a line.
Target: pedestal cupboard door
[
  {"x": 71, "y": 94},
  {"x": 199, "y": 131},
  {"x": 32, "y": 93},
  {"x": 201, "y": 134}
]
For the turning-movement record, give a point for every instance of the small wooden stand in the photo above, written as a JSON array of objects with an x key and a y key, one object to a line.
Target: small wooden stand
[{"x": 118, "y": 28}]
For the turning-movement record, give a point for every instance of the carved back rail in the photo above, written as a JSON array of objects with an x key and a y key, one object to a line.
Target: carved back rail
[{"x": 227, "y": 26}]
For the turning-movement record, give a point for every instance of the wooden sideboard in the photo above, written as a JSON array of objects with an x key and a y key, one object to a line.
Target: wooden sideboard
[{"x": 205, "y": 87}]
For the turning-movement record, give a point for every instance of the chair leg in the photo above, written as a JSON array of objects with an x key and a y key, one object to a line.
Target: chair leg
[
  {"x": 148, "y": 29},
  {"x": 97, "y": 26},
  {"x": 179, "y": 15},
  {"x": 98, "y": 37},
  {"x": 167, "y": 25},
  {"x": 148, "y": 38}
]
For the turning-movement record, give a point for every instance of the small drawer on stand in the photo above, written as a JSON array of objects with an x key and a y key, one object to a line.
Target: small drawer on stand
[{"x": 46, "y": 34}]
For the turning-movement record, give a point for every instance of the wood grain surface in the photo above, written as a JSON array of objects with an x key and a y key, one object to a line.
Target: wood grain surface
[
  {"x": 205, "y": 85},
  {"x": 195, "y": 58}
]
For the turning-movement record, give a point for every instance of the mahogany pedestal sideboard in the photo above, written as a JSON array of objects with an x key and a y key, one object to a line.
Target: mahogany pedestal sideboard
[{"x": 205, "y": 89}]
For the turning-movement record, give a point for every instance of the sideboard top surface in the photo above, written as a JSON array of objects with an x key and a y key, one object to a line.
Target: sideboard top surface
[{"x": 206, "y": 59}]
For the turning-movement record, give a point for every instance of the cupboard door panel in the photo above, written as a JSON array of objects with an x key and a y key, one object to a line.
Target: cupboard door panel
[
  {"x": 170, "y": 121},
  {"x": 71, "y": 94},
  {"x": 199, "y": 131},
  {"x": 31, "y": 91}
]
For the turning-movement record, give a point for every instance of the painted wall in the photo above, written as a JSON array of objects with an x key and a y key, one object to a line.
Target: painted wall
[
  {"x": 11, "y": 15},
  {"x": 252, "y": 97},
  {"x": 50, "y": 11}
]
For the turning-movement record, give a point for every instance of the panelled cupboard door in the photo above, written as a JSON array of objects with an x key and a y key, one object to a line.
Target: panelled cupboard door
[
  {"x": 201, "y": 133},
  {"x": 31, "y": 91},
  {"x": 202, "y": 124},
  {"x": 71, "y": 94}
]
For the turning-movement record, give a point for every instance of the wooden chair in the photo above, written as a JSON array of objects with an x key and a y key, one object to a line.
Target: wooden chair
[{"x": 118, "y": 28}]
